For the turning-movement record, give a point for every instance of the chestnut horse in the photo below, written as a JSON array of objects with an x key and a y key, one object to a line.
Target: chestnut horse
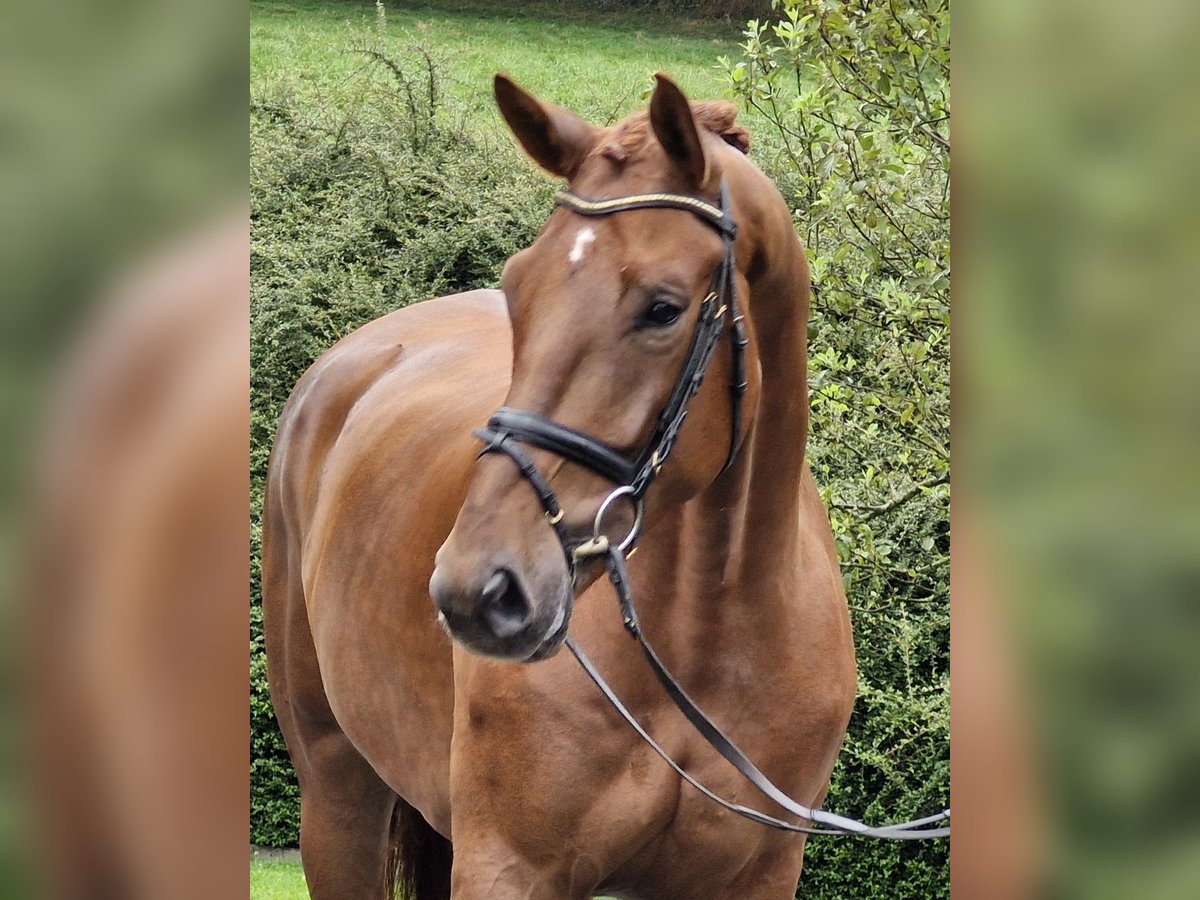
[{"x": 447, "y": 762}]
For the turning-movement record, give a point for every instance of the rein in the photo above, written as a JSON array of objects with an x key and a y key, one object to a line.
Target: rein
[{"x": 508, "y": 428}]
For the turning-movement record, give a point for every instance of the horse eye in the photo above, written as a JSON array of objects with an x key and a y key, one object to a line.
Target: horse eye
[{"x": 659, "y": 314}]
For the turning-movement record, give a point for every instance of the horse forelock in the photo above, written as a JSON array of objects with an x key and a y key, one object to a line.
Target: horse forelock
[{"x": 630, "y": 138}]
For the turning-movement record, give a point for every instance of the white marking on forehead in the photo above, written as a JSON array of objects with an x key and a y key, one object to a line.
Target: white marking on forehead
[{"x": 585, "y": 237}]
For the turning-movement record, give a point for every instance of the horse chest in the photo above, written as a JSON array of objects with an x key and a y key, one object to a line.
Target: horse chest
[
  {"x": 702, "y": 850},
  {"x": 640, "y": 826}
]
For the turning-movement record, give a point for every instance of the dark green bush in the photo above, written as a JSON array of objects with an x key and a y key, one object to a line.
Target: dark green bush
[{"x": 274, "y": 795}]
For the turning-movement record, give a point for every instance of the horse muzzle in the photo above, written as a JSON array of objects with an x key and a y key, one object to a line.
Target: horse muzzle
[{"x": 496, "y": 614}]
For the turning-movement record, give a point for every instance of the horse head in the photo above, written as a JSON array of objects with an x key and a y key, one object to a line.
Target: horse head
[{"x": 607, "y": 308}]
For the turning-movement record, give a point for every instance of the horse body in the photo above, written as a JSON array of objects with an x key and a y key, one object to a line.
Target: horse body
[
  {"x": 374, "y": 451},
  {"x": 541, "y": 789}
]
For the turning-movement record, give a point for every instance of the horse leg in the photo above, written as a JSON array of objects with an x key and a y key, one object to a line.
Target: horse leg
[
  {"x": 773, "y": 875},
  {"x": 345, "y": 808},
  {"x": 508, "y": 880},
  {"x": 488, "y": 868},
  {"x": 345, "y": 813},
  {"x": 359, "y": 841},
  {"x": 776, "y": 873}
]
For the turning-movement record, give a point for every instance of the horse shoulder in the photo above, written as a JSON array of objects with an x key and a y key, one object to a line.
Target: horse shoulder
[{"x": 402, "y": 349}]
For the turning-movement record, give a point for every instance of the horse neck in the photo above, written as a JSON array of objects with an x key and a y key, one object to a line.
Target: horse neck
[{"x": 752, "y": 511}]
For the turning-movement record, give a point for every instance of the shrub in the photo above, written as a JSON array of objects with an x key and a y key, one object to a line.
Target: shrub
[{"x": 856, "y": 96}]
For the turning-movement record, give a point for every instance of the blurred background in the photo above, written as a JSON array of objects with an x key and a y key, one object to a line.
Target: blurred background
[
  {"x": 123, "y": 396},
  {"x": 123, "y": 405},
  {"x": 1077, "y": 417}
]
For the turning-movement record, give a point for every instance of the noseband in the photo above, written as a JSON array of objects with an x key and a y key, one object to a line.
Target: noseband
[{"x": 508, "y": 428}]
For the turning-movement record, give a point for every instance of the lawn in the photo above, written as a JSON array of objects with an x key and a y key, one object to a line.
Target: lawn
[
  {"x": 277, "y": 881},
  {"x": 597, "y": 64}
]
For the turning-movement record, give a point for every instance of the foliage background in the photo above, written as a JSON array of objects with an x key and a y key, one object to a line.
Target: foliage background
[
  {"x": 856, "y": 96},
  {"x": 388, "y": 184}
]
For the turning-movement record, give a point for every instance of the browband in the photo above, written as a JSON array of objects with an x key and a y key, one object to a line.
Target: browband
[{"x": 715, "y": 215}]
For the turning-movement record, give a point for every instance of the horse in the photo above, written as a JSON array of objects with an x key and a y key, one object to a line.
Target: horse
[{"x": 448, "y": 746}]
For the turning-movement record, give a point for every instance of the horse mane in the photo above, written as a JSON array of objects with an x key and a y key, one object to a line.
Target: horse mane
[{"x": 629, "y": 138}]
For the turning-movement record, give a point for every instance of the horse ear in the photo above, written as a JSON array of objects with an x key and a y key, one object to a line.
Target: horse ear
[
  {"x": 673, "y": 124},
  {"x": 556, "y": 139}
]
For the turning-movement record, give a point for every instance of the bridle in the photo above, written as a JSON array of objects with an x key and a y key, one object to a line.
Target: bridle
[{"x": 508, "y": 428}]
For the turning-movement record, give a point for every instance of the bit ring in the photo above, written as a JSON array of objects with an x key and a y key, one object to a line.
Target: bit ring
[{"x": 634, "y": 531}]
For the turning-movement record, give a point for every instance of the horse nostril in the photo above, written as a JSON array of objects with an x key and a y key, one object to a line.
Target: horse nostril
[
  {"x": 496, "y": 586},
  {"x": 505, "y": 607}
]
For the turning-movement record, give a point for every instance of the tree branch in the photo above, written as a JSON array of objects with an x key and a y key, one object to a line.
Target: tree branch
[{"x": 903, "y": 497}]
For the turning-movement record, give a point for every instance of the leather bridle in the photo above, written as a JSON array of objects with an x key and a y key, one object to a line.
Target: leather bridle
[{"x": 508, "y": 428}]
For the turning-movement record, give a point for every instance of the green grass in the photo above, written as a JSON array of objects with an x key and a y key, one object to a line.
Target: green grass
[
  {"x": 280, "y": 881},
  {"x": 596, "y": 63},
  {"x": 277, "y": 881}
]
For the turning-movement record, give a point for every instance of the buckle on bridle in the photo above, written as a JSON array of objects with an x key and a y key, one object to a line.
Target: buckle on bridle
[{"x": 593, "y": 546}]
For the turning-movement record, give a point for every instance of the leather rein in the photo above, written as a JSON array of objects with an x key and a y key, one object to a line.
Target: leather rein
[{"x": 508, "y": 428}]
